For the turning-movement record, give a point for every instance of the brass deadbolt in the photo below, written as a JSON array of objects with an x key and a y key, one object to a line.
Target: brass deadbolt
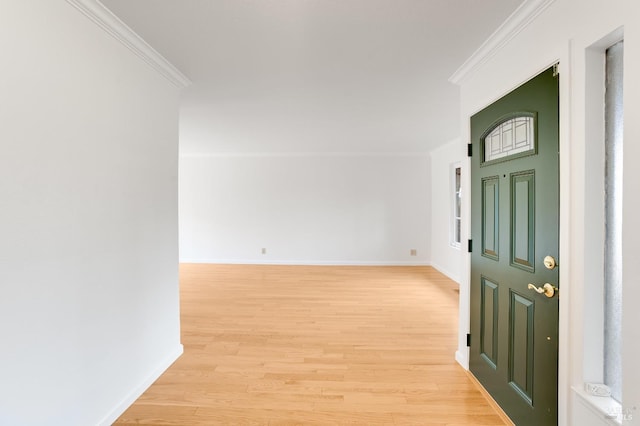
[{"x": 550, "y": 262}]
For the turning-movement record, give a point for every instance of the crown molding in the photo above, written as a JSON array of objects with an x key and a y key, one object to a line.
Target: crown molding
[
  {"x": 510, "y": 28},
  {"x": 109, "y": 22}
]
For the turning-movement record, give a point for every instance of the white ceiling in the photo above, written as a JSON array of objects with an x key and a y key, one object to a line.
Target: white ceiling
[{"x": 316, "y": 75}]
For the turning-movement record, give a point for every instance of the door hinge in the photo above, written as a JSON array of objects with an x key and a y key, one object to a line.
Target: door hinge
[
  {"x": 469, "y": 150},
  {"x": 468, "y": 340},
  {"x": 470, "y": 246},
  {"x": 556, "y": 70}
]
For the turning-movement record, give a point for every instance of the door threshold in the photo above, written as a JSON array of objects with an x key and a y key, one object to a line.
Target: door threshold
[{"x": 490, "y": 400}]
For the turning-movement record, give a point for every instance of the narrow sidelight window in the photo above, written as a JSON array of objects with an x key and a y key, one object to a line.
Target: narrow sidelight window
[
  {"x": 613, "y": 221},
  {"x": 456, "y": 207}
]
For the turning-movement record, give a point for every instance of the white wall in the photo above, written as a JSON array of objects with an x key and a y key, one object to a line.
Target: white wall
[
  {"x": 305, "y": 209},
  {"x": 89, "y": 308},
  {"x": 566, "y": 31},
  {"x": 444, "y": 256}
]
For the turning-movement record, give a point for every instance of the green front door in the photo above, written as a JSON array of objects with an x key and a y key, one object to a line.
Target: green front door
[{"x": 514, "y": 227}]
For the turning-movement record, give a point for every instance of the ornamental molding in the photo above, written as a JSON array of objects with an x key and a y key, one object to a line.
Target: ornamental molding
[{"x": 108, "y": 21}]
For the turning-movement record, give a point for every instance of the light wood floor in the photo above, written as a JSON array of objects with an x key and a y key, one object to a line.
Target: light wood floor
[{"x": 284, "y": 345}]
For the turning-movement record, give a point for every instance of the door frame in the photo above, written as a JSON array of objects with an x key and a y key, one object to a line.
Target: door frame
[{"x": 565, "y": 316}]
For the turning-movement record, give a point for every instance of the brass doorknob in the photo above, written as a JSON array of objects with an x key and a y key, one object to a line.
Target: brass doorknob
[{"x": 547, "y": 289}]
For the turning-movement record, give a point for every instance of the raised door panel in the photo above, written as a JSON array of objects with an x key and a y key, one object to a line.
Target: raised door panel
[
  {"x": 523, "y": 220},
  {"x": 490, "y": 217},
  {"x": 521, "y": 345},
  {"x": 489, "y": 321}
]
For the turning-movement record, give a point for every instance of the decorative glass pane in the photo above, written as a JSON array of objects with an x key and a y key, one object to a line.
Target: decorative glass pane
[
  {"x": 613, "y": 221},
  {"x": 510, "y": 137},
  {"x": 457, "y": 207}
]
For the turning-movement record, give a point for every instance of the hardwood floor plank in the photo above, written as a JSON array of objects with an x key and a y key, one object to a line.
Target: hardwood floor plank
[{"x": 312, "y": 345}]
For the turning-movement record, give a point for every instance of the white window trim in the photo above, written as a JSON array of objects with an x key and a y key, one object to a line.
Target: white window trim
[{"x": 607, "y": 408}]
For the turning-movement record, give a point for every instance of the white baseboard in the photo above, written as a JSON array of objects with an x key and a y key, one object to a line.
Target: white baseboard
[
  {"x": 462, "y": 359},
  {"x": 448, "y": 273},
  {"x": 309, "y": 262},
  {"x": 121, "y": 407}
]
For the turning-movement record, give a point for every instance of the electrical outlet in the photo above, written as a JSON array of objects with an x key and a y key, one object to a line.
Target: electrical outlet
[
  {"x": 264, "y": 250},
  {"x": 413, "y": 252}
]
